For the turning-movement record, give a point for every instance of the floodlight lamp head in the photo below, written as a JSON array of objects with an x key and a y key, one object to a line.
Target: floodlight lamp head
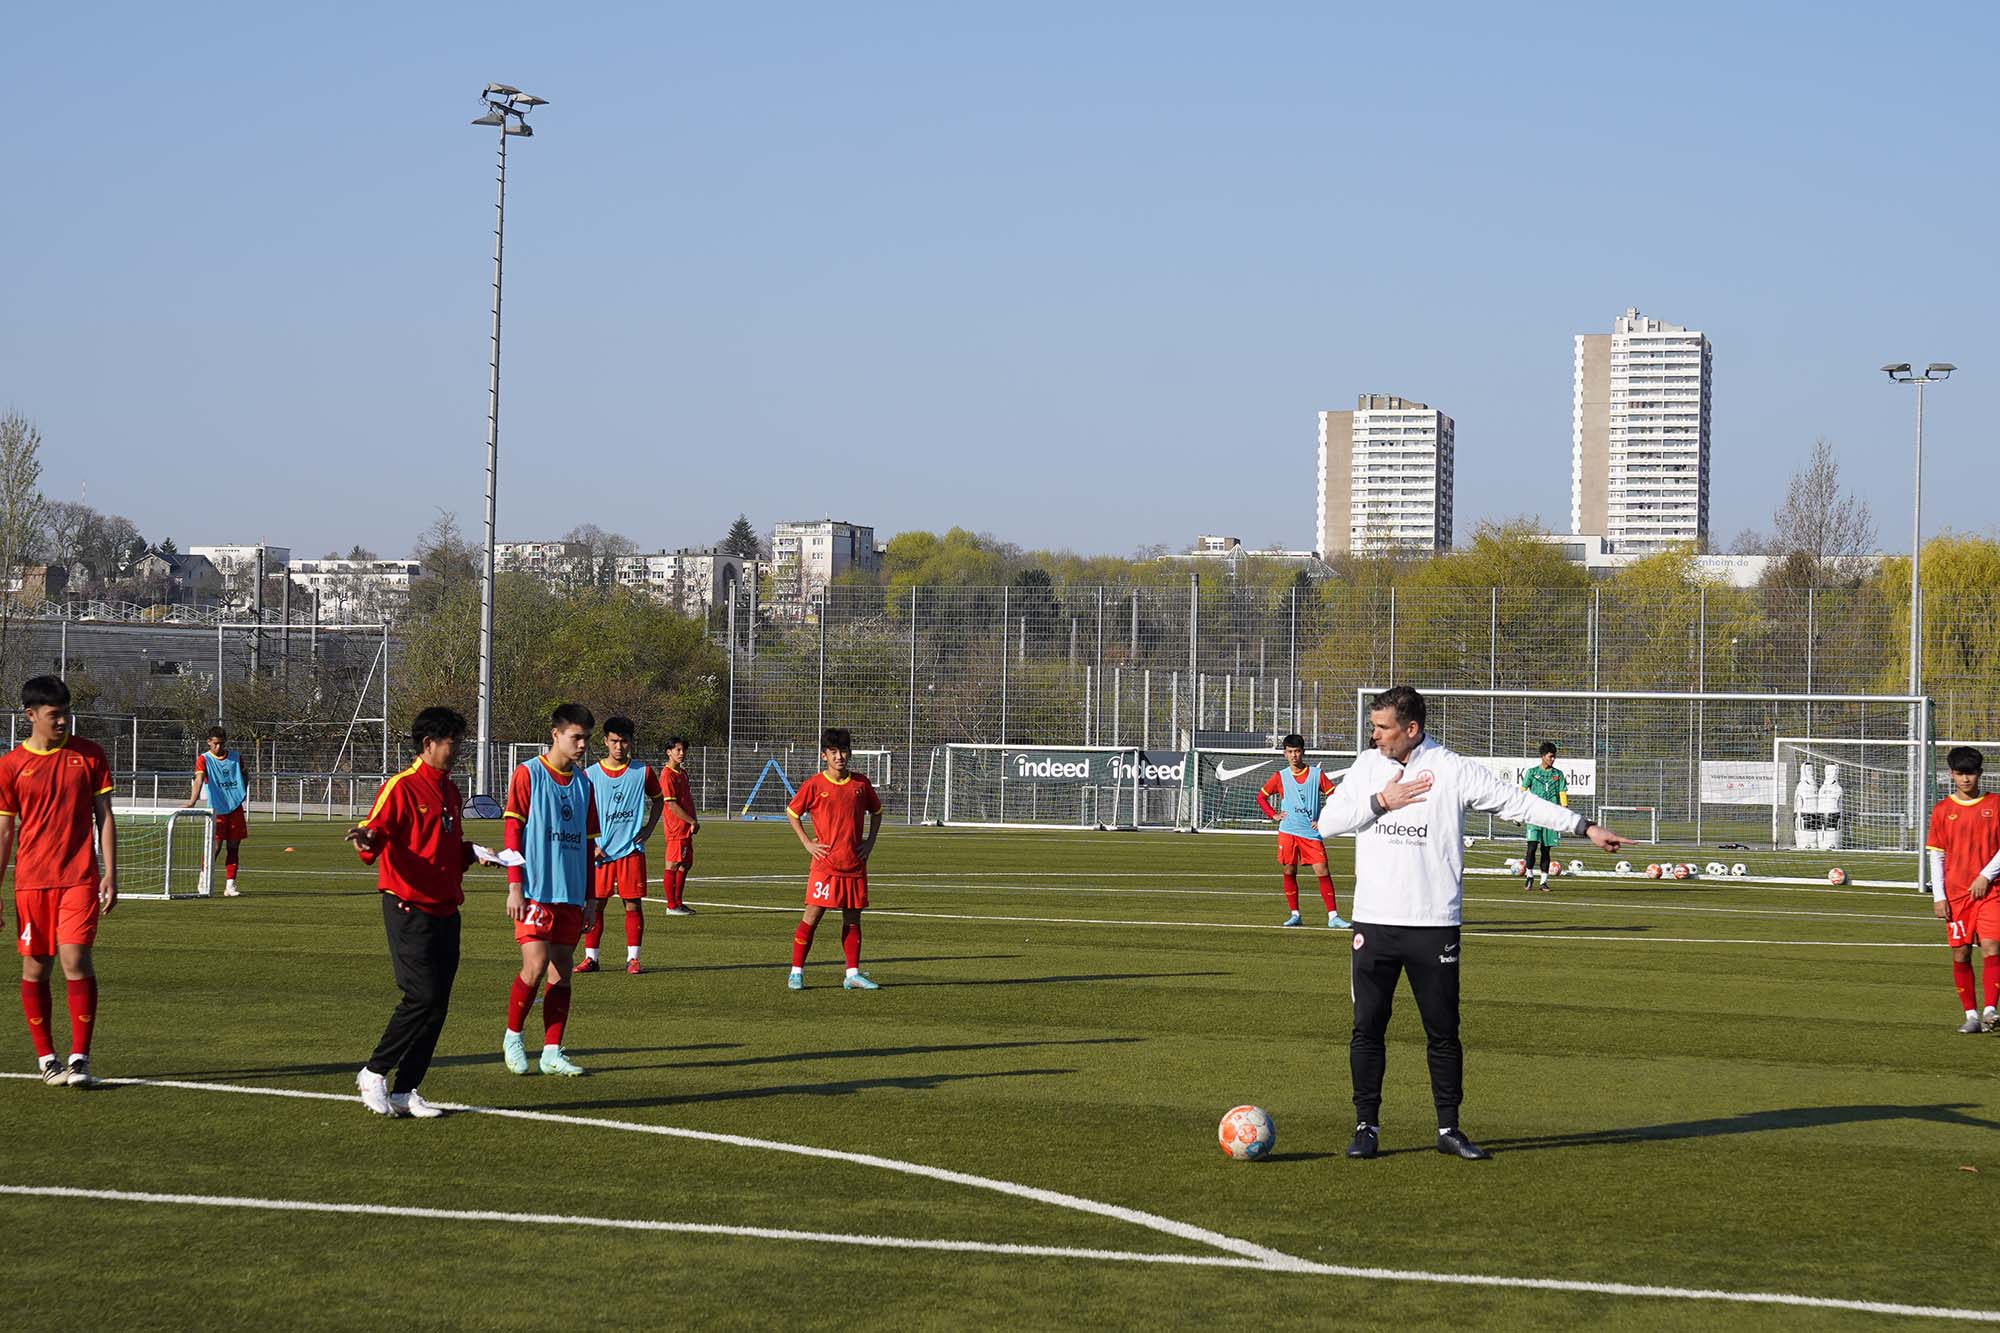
[
  {"x": 1938, "y": 370},
  {"x": 528, "y": 99},
  {"x": 1897, "y": 370},
  {"x": 504, "y": 89},
  {"x": 521, "y": 128},
  {"x": 493, "y": 117}
]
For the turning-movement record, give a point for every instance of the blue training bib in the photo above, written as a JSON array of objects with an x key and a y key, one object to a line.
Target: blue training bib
[
  {"x": 555, "y": 841},
  {"x": 621, "y": 808},
  {"x": 1301, "y": 804},
  {"x": 223, "y": 781}
]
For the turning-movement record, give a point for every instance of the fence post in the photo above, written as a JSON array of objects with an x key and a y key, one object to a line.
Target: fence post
[
  {"x": 1145, "y": 710},
  {"x": 1004, "y": 613},
  {"x": 1292, "y": 673},
  {"x": 1392, "y": 635},
  {"x": 218, "y": 672},
  {"x": 385, "y": 697},
  {"x": 62, "y": 653},
  {"x": 1097, "y": 695},
  {"x": 1194, "y": 630},
  {"x": 1812, "y": 633},
  {"x": 910, "y": 742},
  {"x": 1117, "y": 688},
  {"x": 820, "y": 729},
  {"x": 729, "y": 722},
  {"x": 1174, "y": 712}
]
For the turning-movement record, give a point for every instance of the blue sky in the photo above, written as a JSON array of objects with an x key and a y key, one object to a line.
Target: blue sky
[{"x": 1079, "y": 276}]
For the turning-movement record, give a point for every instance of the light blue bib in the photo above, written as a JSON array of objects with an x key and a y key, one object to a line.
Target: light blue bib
[
  {"x": 1301, "y": 803},
  {"x": 621, "y": 808},
  {"x": 223, "y": 779},
  {"x": 555, "y": 840}
]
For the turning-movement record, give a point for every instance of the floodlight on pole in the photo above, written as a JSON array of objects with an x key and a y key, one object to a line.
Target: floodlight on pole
[{"x": 507, "y": 108}]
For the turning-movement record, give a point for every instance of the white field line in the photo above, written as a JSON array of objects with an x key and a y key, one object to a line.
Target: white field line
[
  {"x": 1282, "y": 1263},
  {"x": 1247, "y": 925}
]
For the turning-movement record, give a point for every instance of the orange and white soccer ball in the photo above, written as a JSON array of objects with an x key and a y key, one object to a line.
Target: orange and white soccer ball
[
  {"x": 1683, "y": 871},
  {"x": 1653, "y": 872},
  {"x": 1247, "y": 1132},
  {"x": 1555, "y": 867},
  {"x": 1836, "y": 876}
]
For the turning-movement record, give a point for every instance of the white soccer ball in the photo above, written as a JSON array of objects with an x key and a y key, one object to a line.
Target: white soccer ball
[
  {"x": 1469, "y": 840},
  {"x": 1624, "y": 867},
  {"x": 1516, "y": 866},
  {"x": 1653, "y": 872},
  {"x": 1739, "y": 870},
  {"x": 1247, "y": 1132},
  {"x": 1836, "y": 876},
  {"x": 1715, "y": 868}
]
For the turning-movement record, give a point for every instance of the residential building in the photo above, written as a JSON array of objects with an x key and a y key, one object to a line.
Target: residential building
[
  {"x": 238, "y": 566},
  {"x": 1230, "y": 553},
  {"x": 176, "y": 576},
  {"x": 693, "y": 582},
  {"x": 805, "y": 557},
  {"x": 1639, "y": 435},
  {"x": 1598, "y": 560},
  {"x": 1385, "y": 478},
  {"x": 345, "y": 591},
  {"x": 557, "y": 562}
]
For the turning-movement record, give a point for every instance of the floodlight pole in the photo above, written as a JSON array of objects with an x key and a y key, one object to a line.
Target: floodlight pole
[{"x": 507, "y": 108}]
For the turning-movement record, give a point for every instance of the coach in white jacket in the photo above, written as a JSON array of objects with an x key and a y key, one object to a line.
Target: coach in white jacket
[{"x": 1405, "y": 802}]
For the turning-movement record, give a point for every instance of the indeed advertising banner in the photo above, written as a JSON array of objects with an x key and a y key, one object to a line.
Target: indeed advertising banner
[
  {"x": 1094, "y": 767},
  {"x": 1581, "y": 774}
]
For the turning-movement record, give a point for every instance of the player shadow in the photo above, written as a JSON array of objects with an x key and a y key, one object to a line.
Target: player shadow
[
  {"x": 1753, "y": 1122},
  {"x": 840, "y": 1088},
  {"x": 1298, "y": 1156},
  {"x": 662, "y": 968},
  {"x": 441, "y": 1061},
  {"x": 890, "y": 1052},
  {"x": 1552, "y": 928},
  {"x": 1048, "y": 981}
]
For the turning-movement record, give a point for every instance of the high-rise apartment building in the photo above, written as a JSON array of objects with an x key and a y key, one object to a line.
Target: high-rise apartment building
[
  {"x": 1385, "y": 478},
  {"x": 1639, "y": 413},
  {"x": 805, "y": 557}
]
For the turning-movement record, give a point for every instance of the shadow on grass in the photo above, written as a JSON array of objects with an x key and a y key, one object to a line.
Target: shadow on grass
[
  {"x": 1299, "y": 1156},
  {"x": 1545, "y": 928},
  {"x": 348, "y": 1067},
  {"x": 673, "y": 969},
  {"x": 1050, "y": 981},
  {"x": 840, "y": 1088},
  {"x": 1754, "y": 1122},
  {"x": 887, "y": 1052}
]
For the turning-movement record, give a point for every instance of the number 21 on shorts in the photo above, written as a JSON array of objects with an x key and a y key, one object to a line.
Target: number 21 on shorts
[{"x": 1958, "y": 933}]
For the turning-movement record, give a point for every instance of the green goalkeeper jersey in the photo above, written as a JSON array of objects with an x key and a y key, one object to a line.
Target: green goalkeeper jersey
[{"x": 1547, "y": 783}]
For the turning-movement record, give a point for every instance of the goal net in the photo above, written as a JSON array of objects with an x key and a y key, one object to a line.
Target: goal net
[
  {"x": 1040, "y": 786},
  {"x": 1858, "y": 793},
  {"x": 1226, "y": 783},
  {"x": 776, "y": 774},
  {"x": 164, "y": 851}
]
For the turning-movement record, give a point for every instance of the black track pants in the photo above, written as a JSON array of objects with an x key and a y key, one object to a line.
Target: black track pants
[
  {"x": 1382, "y": 954},
  {"x": 423, "y": 950}
]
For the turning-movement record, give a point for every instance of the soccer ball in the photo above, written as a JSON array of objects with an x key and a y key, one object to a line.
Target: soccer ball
[
  {"x": 1836, "y": 876},
  {"x": 1683, "y": 871},
  {"x": 1247, "y": 1133},
  {"x": 1624, "y": 867},
  {"x": 1739, "y": 870},
  {"x": 1653, "y": 872},
  {"x": 1715, "y": 868},
  {"x": 1469, "y": 840},
  {"x": 1516, "y": 866},
  {"x": 1555, "y": 868}
]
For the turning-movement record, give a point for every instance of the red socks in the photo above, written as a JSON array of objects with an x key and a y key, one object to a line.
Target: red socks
[
  {"x": 850, "y": 943},
  {"x": 635, "y": 923},
  {"x": 673, "y": 883},
  {"x": 1989, "y": 975},
  {"x": 593, "y": 936},
  {"x": 555, "y": 1013},
  {"x": 1961, "y": 973},
  {"x": 1292, "y": 891},
  {"x": 82, "y": 1014},
  {"x": 1325, "y": 895},
  {"x": 519, "y": 1001},
  {"x": 35, "y": 1004},
  {"x": 802, "y": 941}
]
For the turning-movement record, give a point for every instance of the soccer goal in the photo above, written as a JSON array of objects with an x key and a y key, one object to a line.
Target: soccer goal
[
  {"x": 1629, "y": 819},
  {"x": 1226, "y": 783},
  {"x": 164, "y": 851},
  {"x": 1857, "y": 793},
  {"x": 1074, "y": 786}
]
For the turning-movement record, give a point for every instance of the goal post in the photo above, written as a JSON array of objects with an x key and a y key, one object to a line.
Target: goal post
[
  {"x": 1226, "y": 783},
  {"x": 1628, "y": 819},
  {"x": 164, "y": 852},
  {"x": 1055, "y": 787}
]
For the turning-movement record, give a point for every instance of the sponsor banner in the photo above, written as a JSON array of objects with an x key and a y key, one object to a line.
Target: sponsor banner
[
  {"x": 1078, "y": 768},
  {"x": 1251, "y": 770},
  {"x": 1741, "y": 782},
  {"x": 1581, "y": 774}
]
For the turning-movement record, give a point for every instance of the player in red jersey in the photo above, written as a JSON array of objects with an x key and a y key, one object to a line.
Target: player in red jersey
[
  {"x": 1964, "y": 838},
  {"x": 55, "y": 809},
  {"x": 628, "y": 807},
  {"x": 682, "y": 823},
  {"x": 220, "y": 770},
  {"x": 835, "y": 799},
  {"x": 1300, "y": 790}
]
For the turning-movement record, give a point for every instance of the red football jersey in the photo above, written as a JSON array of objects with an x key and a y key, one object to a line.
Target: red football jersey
[
  {"x": 53, "y": 794},
  {"x": 676, "y": 789},
  {"x": 836, "y": 809},
  {"x": 1968, "y": 833},
  {"x": 419, "y": 817}
]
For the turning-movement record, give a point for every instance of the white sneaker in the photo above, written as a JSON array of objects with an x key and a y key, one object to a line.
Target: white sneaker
[
  {"x": 229, "y": 890},
  {"x": 53, "y": 1072},
  {"x": 374, "y": 1091},
  {"x": 1989, "y": 1020},
  {"x": 412, "y": 1104},
  {"x": 79, "y": 1072}
]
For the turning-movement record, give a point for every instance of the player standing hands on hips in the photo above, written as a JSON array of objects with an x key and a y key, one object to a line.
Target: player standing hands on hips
[
  {"x": 220, "y": 769},
  {"x": 1405, "y": 799},
  {"x": 1964, "y": 846},
  {"x": 55, "y": 793},
  {"x": 551, "y": 820},
  {"x": 835, "y": 799},
  {"x": 1300, "y": 790}
]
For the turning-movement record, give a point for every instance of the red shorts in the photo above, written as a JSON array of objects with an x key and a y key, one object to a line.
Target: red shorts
[
  {"x": 681, "y": 850},
  {"x": 49, "y": 917},
  {"x": 559, "y": 924},
  {"x": 232, "y": 827},
  {"x": 1971, "y": 920},
  {"x": 837, "y": 888},
  {"x": 1296, "y": 851},
  {"x": 625, "y": 877}
]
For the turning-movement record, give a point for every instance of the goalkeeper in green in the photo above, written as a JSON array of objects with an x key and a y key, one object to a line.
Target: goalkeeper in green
[{"x": 1546, "y": 781}]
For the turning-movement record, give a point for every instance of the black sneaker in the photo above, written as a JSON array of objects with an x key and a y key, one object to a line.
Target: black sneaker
[
  {"x": 1453, "y": 1143},
  {"x": 1363, "y": 1144}
]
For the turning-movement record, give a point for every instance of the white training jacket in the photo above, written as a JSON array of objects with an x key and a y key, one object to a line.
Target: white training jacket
[{"x": 1409, "y": 864}]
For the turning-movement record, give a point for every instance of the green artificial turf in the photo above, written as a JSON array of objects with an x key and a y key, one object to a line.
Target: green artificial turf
[{"x": 1688, "y": 1085}]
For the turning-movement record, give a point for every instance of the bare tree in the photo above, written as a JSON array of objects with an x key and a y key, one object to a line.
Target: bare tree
[
  {"x": 1819, "y": 529},
  {"x": 600, "y": 549},
  {"x": 20, "y": 491}
]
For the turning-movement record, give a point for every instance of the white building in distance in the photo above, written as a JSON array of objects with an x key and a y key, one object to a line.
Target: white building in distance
[
  {"x": 805, "y": 557},
  {"x": 344, "y": 591},
  {"x": 1639, "y": 433},
  {"x": 1385, "y": 478},
  {"x": 692, "y": 582},
  {"x": 557, "y": 562},
  {"x": 238, "y": 567}
]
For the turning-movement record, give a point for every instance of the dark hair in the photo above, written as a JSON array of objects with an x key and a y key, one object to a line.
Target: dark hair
[
  {"x": 836, "y": 738},
  {"x": 1548, "y": 747},
  {"x": 216, "y": 732},
  {"x": 620, "y": 725},
  {"x": 571, "y": 715},
  {"x": 1294, "y": 740},
  {"x": 1965, "y": 759},
  {"x": 435, "y": 723},
  {"x": 1407, "y": 703},
  {"x": 672, "y": 741},
  {"x": 42, "y": 691}
]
